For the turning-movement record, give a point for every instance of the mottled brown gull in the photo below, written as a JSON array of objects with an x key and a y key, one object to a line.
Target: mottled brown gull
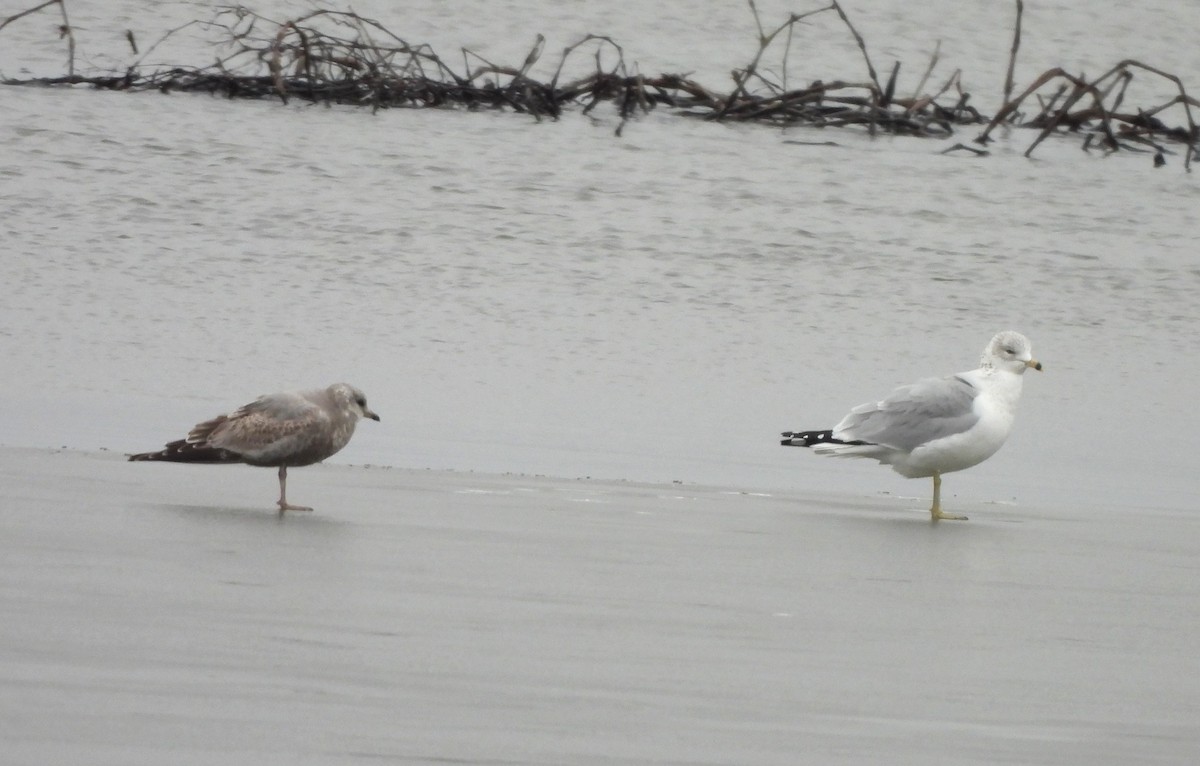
[
  {"x": 937, "y": 425},
  {"x": 293, "y": 428}
]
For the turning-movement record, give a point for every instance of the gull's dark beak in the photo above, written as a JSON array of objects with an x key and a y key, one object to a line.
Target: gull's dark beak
[
  {"x": 368, "y": 414},
  {"x": 1035, "y": 364}
]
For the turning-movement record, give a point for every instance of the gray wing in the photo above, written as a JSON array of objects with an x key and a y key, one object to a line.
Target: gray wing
[
  {"x": 276, "y": 428},
  {"x": 913, "y": 415}
]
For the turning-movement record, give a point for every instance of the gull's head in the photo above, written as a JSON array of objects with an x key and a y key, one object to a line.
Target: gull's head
[
  {"x": 352, "y": 400},
  {"x": 1010, "y": 351}
]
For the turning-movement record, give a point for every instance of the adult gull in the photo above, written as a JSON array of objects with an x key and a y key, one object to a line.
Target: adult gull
[
  {"x": 937, "y": 425},
  {"x": 294, "y": 428}
]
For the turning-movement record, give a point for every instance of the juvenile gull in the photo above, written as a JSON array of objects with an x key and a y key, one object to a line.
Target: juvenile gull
[
  {"x": 293, "y": 428},
  {"x": 936, "y": 425}
]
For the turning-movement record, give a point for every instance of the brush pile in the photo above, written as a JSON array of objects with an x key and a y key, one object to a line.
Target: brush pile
[{"x": 339, "y": 57}]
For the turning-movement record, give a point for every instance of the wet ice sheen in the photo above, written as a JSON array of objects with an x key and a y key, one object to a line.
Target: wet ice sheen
[{"x": 460, "y": 617}]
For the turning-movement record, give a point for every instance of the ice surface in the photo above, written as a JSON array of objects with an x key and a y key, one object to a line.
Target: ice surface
[{"x": 443, "y": 617}]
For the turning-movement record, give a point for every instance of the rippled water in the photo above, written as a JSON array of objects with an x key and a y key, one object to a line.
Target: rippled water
[{"x": 547, "y": 298}]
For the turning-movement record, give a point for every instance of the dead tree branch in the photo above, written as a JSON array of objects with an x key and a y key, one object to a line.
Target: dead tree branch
[{"x": 339, "y": 57}]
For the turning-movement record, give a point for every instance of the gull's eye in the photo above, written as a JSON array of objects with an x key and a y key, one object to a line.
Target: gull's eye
[{"x": 361, "y": 401}]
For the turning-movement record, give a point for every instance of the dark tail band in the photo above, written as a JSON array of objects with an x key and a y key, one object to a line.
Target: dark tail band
[{"x": 183, "y": 452}]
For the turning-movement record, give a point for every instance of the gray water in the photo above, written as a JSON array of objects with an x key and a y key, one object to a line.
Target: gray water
[{"x": 546, "y": 298}]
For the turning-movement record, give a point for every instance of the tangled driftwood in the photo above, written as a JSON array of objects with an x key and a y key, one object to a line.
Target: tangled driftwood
[{"x": 339, "y": 57}]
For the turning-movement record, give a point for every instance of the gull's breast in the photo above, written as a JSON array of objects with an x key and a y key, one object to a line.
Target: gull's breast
[{"x": 966, "y": 449}]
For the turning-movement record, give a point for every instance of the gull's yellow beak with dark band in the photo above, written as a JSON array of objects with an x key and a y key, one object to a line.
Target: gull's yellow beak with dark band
[{"x": 1035, "y": 364}]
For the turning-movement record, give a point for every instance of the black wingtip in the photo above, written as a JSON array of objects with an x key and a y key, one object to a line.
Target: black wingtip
[
  {"x": 805, "y": 438},
  {"x": 809, "y": 438}
]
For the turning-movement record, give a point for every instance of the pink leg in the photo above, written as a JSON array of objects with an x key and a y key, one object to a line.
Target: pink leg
[{"x": 283, "y": 503}]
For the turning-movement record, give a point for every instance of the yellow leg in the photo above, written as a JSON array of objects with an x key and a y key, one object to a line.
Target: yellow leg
[{"x": 936, "y": 510}]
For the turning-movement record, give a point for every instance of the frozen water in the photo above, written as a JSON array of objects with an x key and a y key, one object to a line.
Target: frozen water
[{"x": 456, "y": 618}]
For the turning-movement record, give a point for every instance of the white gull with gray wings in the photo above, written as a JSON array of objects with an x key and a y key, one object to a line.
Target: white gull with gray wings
[
  {"x": 294, "y": 428},
  {"x": 937, "y": 425}
]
